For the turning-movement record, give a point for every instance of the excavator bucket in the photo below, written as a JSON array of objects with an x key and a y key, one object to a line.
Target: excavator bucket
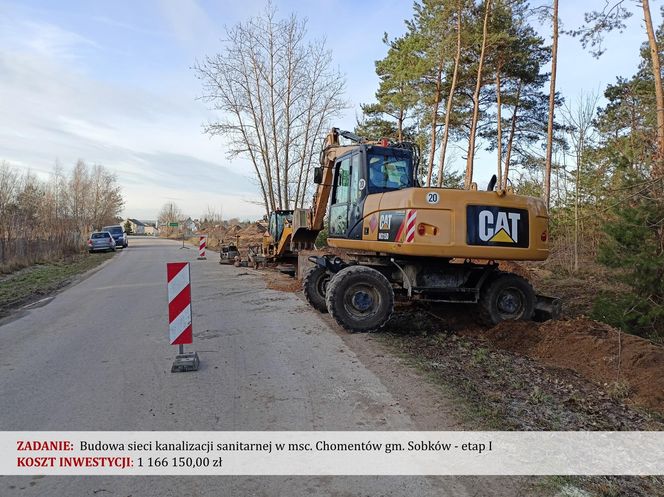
[{"x": 547, "y": 308}]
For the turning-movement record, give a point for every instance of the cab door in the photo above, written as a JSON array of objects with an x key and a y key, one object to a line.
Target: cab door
[
  {"x": 339, "y": 204},
  {"x": 347, "y": 203},
  {"x": 357, "y": 194}
]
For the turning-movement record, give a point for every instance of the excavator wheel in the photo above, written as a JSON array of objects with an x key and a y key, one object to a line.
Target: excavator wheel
[
  {"x": 506, "y": 297},
  {"x": 314, "y": 285},
  {"x": 360, "y": 299}
]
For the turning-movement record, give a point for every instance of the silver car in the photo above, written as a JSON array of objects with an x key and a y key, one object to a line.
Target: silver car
[{"x": 101, "y": 240}]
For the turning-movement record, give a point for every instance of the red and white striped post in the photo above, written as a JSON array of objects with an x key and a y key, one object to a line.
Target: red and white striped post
[
  {"x": 179, "y": 314},
  {"x": 202, "y": 243}
]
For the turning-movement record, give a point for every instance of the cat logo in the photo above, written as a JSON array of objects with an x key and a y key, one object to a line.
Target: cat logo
[
  {"x": 385, "y": 222},
  {"x": 490, "y": 225},
  {"x": 505, "y": 227}
]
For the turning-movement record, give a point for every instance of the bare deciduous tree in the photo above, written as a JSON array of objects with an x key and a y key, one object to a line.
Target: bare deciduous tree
[
  {"x": 46, "y": 219},
  {"x": 277, "y": 94},
  {"x": 579, "y": 121}
]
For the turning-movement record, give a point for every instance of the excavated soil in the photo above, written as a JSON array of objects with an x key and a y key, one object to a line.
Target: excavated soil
[
  {"x": 246, "y": 237},
  {"x": 275, "y": 280},
  {"x": 628, "y": 366}
]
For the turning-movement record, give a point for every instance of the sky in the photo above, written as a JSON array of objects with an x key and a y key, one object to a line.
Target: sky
[{"x": 110, "y": 82}]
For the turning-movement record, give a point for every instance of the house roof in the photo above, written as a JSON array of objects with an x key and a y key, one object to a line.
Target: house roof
[{"x": 136, "y": 222}]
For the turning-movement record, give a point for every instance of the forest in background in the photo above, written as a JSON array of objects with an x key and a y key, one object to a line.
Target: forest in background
[{"x": 471, "y": 75}]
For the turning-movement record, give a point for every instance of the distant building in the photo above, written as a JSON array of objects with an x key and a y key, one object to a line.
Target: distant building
[
  {"x": 189, "y": 225},
  {"x": 151, "y": 228},
  {"x": 137, "y": 227}
]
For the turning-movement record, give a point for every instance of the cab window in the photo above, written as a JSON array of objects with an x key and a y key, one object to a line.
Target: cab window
[
  {"x": 343, "y": 182},
  {"x": 339, "y": 207},
  {"x": 355, "y": 178},
  {"x": 389, "y": 172}
]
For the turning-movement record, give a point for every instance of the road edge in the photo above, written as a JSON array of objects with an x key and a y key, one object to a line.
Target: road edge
[{"x": 44, "y": 300}]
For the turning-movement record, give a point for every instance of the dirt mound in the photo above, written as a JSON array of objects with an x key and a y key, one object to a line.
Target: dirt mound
[
  {"x": 245, "y": 237},
  {"x": 250, "y": 236},
  {"x": 629, "y": 367}
]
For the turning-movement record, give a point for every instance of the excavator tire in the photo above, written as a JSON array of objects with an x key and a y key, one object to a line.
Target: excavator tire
[
  {"x": 314, "y": 284},
  {"x": 360, "y": 299},
  {"x": 506, "y": 297}
]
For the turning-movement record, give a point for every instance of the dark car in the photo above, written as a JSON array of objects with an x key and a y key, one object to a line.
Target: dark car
[
  {"x": 101, "y": 240},
  {"x": 118, "y": 234}
]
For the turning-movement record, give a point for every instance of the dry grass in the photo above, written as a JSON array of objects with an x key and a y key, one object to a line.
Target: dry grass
[{"x": 39, "y": 280}]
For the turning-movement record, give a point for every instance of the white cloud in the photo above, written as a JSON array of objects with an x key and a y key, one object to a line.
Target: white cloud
[
  {"x": 52, "y": 109},
  {"x": 53, "y": 42}
]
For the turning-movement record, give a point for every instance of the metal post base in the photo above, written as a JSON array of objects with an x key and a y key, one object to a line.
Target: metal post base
[
  {"x": 185, "y": 362},
  {"x": 202, "y": 258}
]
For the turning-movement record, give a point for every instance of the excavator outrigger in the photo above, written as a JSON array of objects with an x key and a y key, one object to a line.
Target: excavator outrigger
[{"x": 413, "y": 242}]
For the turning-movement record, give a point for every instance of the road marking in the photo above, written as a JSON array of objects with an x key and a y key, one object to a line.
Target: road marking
[
  {"x": 37, "y": 303},
  {"x": 132, "y": 285}
]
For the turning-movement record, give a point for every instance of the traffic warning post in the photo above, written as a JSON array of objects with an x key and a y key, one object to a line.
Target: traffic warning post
[
  {"x": 202, "y": 244},
  {"x": 179, "y": 315}
]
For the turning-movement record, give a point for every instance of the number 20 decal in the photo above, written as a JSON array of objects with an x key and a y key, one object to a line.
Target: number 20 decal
[{"x": 433, "y": 197}]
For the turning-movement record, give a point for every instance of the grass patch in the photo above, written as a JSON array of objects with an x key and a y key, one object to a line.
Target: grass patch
[{"x": 39, "y": 280}]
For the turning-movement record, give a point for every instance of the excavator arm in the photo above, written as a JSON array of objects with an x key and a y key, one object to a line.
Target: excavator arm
[
  {"x": 309, "y": 222},
  {"x": 324, "y": 176}
]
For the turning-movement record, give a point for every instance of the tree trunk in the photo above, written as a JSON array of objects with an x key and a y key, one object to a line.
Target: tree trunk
[
  {"x": 450, "y": 97},
  {"x": 499, "y": 129},
  {"x": 287, "y": 125},
  {"x": 273, "y": 116},
  {"x": 579, "y": 160},
  {"x": 659, "y": 92},
  {"x": 552, "y": 104},
  {"x": 257, "y": 115},
  {"x": 434, "y": 117},
  {"x": 476, "y": 100},
  {"x": 434, "y": 123},
  {"x": 508, "y": 152},
  {"x": 400, "y": 120}
]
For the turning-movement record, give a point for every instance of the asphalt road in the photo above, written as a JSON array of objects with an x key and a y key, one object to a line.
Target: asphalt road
[{"x": 97, "y": 358}]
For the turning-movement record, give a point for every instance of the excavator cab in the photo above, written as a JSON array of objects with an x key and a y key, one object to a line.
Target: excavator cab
[
  {"x": 365, "y": 170},
  {"x": 279, "y": 219}
]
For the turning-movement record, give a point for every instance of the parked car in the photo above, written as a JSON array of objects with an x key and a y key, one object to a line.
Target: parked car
[
  {"x": 119, "y": 235},
  {"x": 101, "y": 240}
]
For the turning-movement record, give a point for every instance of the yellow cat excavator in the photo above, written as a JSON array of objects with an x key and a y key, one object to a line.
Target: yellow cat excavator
[
  {"x": 277, "y": 246},
  {"x": 412, "y": 242}
]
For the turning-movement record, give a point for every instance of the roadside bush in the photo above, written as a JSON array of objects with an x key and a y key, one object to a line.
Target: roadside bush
[
  {"x": 629, "y": 312},
  {"x": 635, "y": 245}
]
